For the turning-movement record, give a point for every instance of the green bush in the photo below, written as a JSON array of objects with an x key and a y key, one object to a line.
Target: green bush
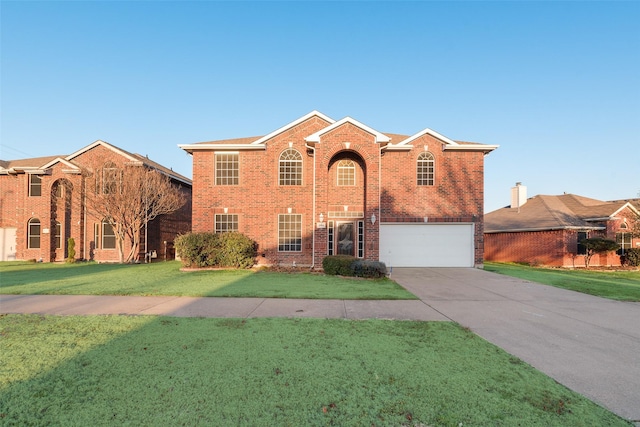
[
  {"x": 236, "y": 250},
  {"x": 632, "y": 257},
  {"x": 368, "y": 269},
  {"x": 338, "y": 265},
  {"x": 215, "y": 250}
]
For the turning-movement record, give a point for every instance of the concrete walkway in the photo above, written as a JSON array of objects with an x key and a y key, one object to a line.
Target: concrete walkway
[{"x": 589, "y": 344}]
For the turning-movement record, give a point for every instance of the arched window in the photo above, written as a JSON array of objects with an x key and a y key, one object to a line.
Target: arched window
[
  {"x": 346, "y": 172},
  {"x": 108, "y": 236},
  {"x": 33, "y": 233},
  {"x": 425, "y": 168},
  {"x": 290, "y": 167}
]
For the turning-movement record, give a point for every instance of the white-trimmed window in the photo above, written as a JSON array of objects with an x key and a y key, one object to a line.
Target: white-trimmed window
[
  {"x": 111, "y": 178},
  {"x": 33, "y": 233},
  {"x": 290, "y": 167},
  {"x": 346, "y": 172},
  {"x": 35, "y": 185},
  {"x": 426, "y": 168},
  {"x": 226, "y": 223},
  {"x": 57, "y": 236},
  {"x": 108, "y": 236},
  {"x": 227, "y": 169},
  {"x": 289, "y": 233}
]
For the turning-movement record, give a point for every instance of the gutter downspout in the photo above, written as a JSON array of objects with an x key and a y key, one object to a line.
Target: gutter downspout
[{"x": 313, "y": 228}]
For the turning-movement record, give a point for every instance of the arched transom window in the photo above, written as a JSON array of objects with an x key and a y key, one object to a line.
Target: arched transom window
[
  {"x": 346, "y": 172},
  {"x": 425, "y": 168},
  {"x": 290, "y": 167}
]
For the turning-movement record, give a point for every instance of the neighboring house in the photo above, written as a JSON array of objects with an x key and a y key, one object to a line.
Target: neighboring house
[
  {"x": 42, "y": 205},
  {"x": 546, "y": 230},
  {"x": 318, "y": 187}
]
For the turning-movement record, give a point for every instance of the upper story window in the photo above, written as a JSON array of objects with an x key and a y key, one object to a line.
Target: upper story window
[
  {"x": 226, "y": 223},
  {"x": 290, "y": 167},
  {"x": 346, "y": 172},
  {"x": 425, "y": 169},
  {"x": 227, "y": 169},
  {"x": 35, "y": 185},
  {"x": 33, "y": 234},
  {"x": 111, "y": 178}
]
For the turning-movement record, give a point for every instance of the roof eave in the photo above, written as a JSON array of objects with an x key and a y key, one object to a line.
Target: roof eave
[{"x": 190, "y": 148}]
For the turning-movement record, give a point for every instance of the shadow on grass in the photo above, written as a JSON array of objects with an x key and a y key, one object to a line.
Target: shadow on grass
[
  {"x": 167, "y": 279},
  {"x": 247, "y": 372}
]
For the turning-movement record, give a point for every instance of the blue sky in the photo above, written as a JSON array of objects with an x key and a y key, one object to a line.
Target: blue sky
[{"x": 555, "y": 84}]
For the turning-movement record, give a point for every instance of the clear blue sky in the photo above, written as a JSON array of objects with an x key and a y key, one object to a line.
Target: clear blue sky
[{"x": 555, "y": 84}]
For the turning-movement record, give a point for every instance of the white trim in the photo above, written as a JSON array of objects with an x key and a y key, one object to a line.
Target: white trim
[
  {"x": 379, "y": 137},
  {"x": 63, "y": 161},
  {"x": 449, "y": 143},
  {"x": 189, "y": 148},
  {"x": 628, "y": 204},
  {"x": 292, "y": 124},
  {"x": 104, "y": 144}
]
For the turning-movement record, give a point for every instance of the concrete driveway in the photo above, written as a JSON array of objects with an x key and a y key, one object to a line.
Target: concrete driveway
[{"x": 589, "y": 344}]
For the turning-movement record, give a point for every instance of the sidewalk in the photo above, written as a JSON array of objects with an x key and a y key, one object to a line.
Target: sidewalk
[{"x": 218, "y": 307}]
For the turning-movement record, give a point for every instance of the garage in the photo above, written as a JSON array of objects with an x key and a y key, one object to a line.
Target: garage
[{"x": 427, "y": 245}]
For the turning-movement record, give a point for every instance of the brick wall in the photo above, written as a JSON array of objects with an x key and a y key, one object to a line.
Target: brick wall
[
  {"x": 77, "y": 220},
  {"x": 385, "y": 186}
]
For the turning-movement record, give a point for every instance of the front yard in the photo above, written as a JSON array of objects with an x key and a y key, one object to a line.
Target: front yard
[
  {"x": 148, "y": 371},
  {"x": 165, "y": 278},
  {"x": 616, "y": 285}
]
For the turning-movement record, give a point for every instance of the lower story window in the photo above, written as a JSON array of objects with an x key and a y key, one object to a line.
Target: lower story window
[
  {"x": 360, "y": 239},
  {"x": 581, "y": 249},
  {"x": 226, "y": 223},
  {"x": 289, "y": 233},
  {"x": 624, "y": 240},
  {"x": 33, "y": 231},
  {"x": 57, "y": 240},
  {"x": 108, "y": 236}
]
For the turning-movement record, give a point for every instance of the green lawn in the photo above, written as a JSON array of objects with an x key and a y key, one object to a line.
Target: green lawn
[
  {"x": 148, "y": 371},
  {"x": 617, "y": 285},
  {"x": 165, "y": 278}
]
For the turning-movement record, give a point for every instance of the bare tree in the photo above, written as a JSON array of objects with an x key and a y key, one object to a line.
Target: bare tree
[{"x": 129, "y": 197}]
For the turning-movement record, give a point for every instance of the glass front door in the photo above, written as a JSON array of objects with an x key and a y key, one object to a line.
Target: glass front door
[{"x": 345, "y": 244}]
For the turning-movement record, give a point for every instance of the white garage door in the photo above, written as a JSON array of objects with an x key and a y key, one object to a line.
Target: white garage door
[{"x": 427, "y": 245}]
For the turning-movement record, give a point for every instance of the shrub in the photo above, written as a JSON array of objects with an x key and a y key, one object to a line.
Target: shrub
[
  {"x": 236, "y": 250},
  {"x": 632, "y": 257},
  {"x": 338, "y": 264},
  {"x": 368, "y": 269},
  {"x": 215, "y": 250},
  {"x": 71, "y": 251}
]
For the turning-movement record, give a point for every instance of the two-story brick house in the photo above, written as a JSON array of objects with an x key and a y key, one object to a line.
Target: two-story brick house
[
  {"x": 43, "y": 204},
  {"x": 317, "y": 187}
]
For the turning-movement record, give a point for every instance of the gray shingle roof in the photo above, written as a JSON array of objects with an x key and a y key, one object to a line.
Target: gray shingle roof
[{"x": 551, "y": 213}]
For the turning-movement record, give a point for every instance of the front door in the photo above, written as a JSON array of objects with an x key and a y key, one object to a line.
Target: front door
[{"x": 345, "y": 244}]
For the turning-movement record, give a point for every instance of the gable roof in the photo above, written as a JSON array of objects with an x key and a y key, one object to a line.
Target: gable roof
[
  {"x": 542, "y": 212},
  {"x": 41, "y": 164},
  {"x": 379, "y": 137},
  {"x": 448, "y": 144}
]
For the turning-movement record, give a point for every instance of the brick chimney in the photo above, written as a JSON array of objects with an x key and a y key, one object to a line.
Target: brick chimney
[{"x": 518, "y": 196}]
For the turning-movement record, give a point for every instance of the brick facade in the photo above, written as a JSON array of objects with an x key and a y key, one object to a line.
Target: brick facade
[
  {"x": 385, "y": 186},
  {"x": 62, "y": 201},
  {"x": 559, "y": 247}
]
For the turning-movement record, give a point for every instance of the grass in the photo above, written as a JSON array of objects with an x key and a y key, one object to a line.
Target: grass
[
  {"x": 165, "y": 278},
  {"x": 147, "y": 371},
  {"x": 616, "y": 285}
]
